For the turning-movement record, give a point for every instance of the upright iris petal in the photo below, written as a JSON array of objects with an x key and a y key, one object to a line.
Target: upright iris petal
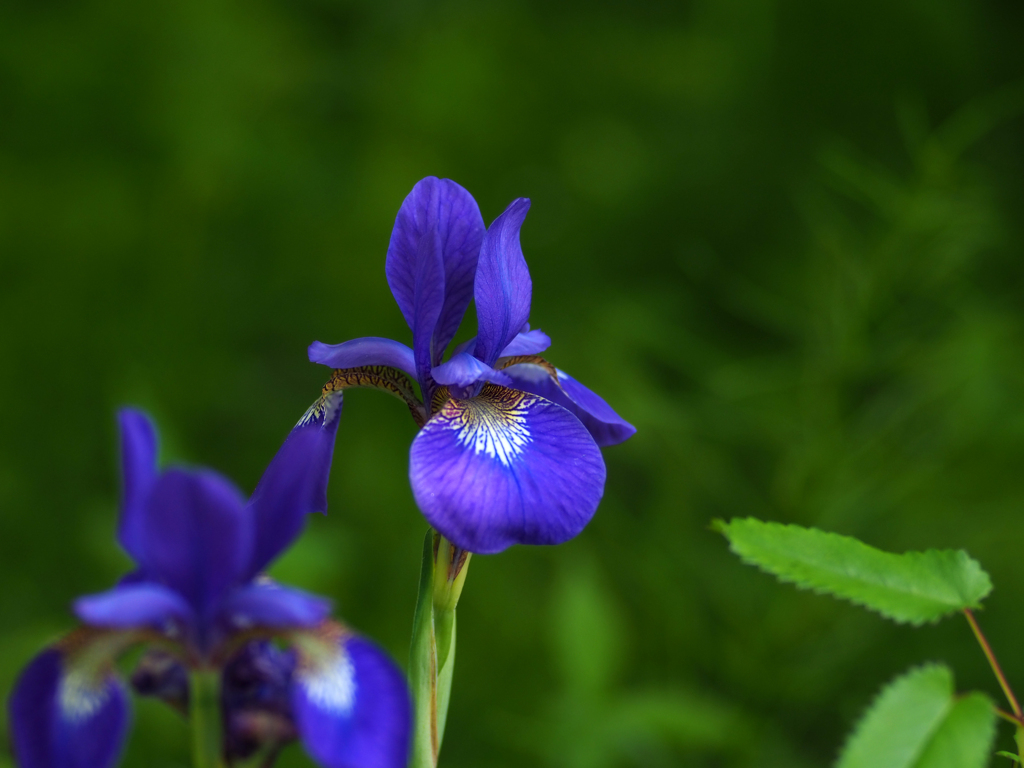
[
  {"x": 431, "y": 264},
  {"x": 503, "y": 288},
  {"x": 428, "y": 297},
  {"x": 138, "y": 472},
  {"x": 198, "y": 538}
]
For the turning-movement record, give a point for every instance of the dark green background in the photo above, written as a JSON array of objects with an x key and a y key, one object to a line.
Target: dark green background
[{"x": 783, "y": 238}]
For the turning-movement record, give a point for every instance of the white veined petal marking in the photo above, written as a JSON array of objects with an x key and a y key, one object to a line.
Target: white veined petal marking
[
  {"x": 81, "y": 696},
  {"x": 494, "y": 422},
  {"x": 331, "y": 685}
]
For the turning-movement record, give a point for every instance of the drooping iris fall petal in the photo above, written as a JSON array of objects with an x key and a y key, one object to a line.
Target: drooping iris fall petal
[
  {"x": 506, "y": 467},
  {"x": 604, "y": 424},
  {"x": 293, "y": 485},
  {"x": 352, "y": 706},
  {"x": 63, "y": 717}
]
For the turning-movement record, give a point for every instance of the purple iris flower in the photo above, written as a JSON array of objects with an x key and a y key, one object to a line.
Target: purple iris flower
[
  {"x": 199, "y": 601},
  {"x": 508, "y": 452}
]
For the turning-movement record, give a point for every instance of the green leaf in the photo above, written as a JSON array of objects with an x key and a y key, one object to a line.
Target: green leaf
[
  {"x": 917, "y": 722},
  {"x": 914, "y": 587}
]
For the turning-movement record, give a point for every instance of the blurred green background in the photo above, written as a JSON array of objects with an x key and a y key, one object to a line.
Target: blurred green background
[{"x": 782, "y": 237}]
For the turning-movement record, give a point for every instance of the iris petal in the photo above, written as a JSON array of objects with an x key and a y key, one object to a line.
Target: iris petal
[
  {"x": 273, "y": 606},
  {"x": 460, "y": 250},
  {"x": 527, "y": 343},
  {"x": 369, "y": 350},
  {"x": 293, "y": 485},
  {"x": 468, "y": 346},
  {"x": 428, "y": 298},
  {"x": 352, "y": 706},
  {"x": 604, "y": 424},
  {"x": 465, "y": 370},
  {"x": 503, "y": 288},
  {"x": 506, "y": 467},
  {"x": 135, "y": 605},
  {"x": 62, "y": 717},
  {"x": 138, "y": 472},
  {"x": 198, "y": 536},
  {"x": 438, "y": 220}
]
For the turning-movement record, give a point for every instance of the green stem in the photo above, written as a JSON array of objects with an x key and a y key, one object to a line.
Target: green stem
[
  {"x": 1008, "y": 717},
  {"x": 1003, "y": 682},
  {"x": 423, "y": 667},
  {"x": 432, "y": 655},
  {"x": 445, "y": 632},
  {"x": 993, "y": 662},
  {"x": 204, "y": 712}
]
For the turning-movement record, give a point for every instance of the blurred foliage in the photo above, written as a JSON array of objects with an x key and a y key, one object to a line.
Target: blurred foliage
[{"x": 781, "y": 237}]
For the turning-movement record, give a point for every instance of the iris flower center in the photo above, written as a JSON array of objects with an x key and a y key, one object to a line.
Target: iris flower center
[{"x": 495, "y": 423}]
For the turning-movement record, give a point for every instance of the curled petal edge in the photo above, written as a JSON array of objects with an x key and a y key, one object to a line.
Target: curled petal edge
[
  {"x": 464, "y": 370},
  {"x": 135, "y": 606},
  {"x": 369, "y": 350},
  {"x": 269, "y": 605}
]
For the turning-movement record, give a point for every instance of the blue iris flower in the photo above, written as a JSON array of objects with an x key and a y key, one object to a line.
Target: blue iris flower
[
  {"x": 198, "y": 598},
  {"x": 509, "y": 450}
]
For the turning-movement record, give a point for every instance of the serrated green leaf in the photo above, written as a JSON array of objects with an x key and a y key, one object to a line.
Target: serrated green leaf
[
  {"x": 916, "y": 722},
  {"x": 914, "y": 587},
  {"x": 965, "y": 738},
  {"x": 896, "y": 727}
]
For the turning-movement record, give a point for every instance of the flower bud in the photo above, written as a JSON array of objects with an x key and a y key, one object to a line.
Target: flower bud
[{"x": 450, "y": 566}]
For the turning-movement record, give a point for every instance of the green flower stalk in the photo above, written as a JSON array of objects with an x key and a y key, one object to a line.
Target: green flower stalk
[{"x": 432, "y": 655}]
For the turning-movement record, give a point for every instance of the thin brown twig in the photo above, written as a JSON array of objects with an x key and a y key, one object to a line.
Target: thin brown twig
[
  {"x": 983, "y": 642},
  {"x": 1008, "y": 717}
]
